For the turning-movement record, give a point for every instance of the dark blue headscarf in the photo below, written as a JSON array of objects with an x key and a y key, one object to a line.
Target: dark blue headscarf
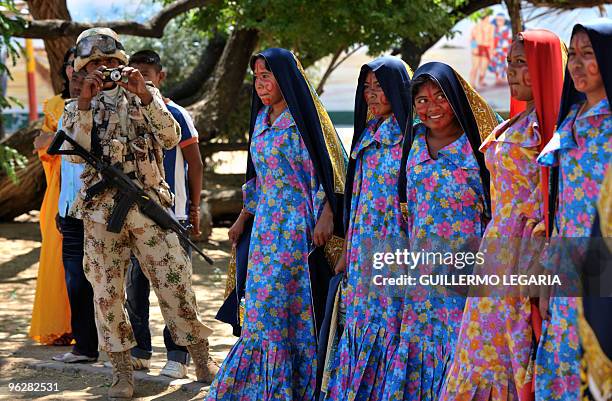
[
  {"x": 394, "y": 78},
  {"x": 312, "y": 122},
  {"x": 475, "y": 116},
  {"x": 600, "y": 35}
]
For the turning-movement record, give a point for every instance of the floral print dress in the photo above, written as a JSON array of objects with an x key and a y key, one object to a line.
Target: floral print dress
[
  {"x": 275, "y": 357},
  {"x": 581, "y": 147},
  {"x": 368, "y": 347},
  {"x": 446, "y": 208},
  {"x": 493, "y": 355}
]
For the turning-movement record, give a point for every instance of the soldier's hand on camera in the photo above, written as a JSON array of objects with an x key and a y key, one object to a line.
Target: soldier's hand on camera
[
  {"x": 136, "y": 84},
  {"x": 92, "y": 85}
]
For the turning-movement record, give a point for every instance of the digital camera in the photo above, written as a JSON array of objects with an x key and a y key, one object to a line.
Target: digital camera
[{"x": 113, "y": 74}]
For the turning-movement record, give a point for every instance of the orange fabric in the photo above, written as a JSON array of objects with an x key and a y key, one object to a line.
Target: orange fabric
[
  {"x": 51, "y": 312},
  {"x": 188, "y": 142}
]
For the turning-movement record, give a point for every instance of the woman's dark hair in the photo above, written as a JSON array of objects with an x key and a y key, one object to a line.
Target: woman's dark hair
[
  {"x": 578, "y": 29},
  {"x": 66, "y": 83},
  {"x": 416, "y": 84},
  {"x": 257, "y": 57}
]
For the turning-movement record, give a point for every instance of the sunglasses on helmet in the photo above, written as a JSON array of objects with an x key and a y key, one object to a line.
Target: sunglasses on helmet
[{"x": 104, "y": 43}]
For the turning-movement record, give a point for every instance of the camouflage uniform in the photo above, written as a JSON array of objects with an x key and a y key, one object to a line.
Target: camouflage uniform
[{"x": 133, "y": 135}]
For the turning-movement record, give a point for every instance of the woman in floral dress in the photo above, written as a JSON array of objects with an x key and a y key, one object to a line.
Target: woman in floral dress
[
  {"x": 368, "y": 346},
  {"x": 580, "y": 150},
  {"x": 495, "y": 346},
  {"x": 447, "y": 207},
  {"x": 295, "y": 169}
]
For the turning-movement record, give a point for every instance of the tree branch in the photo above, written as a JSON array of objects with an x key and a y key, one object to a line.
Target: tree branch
[
  {"x": 53, "y": 28},
  {"x": 328, "y": 71},
  {"x": 193, "y": 84},
  {"x": 568, "y": 5},
  {"x": 335, "y": 63}
]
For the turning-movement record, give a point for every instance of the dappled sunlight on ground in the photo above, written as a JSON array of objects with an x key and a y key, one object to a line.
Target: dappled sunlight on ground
[{"x": 19, "y": 253}]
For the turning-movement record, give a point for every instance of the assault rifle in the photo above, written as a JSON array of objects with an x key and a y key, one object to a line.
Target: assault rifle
[{"x": 128, "y": 192}]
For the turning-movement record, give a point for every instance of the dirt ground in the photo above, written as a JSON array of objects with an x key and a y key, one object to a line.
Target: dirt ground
[{"x": 23, "y": 361}]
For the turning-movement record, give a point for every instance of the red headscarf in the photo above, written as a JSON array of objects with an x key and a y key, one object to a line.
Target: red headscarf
[{"x": 546, "y": 58}]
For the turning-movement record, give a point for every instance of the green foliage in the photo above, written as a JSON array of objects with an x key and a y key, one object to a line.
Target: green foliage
[
  {"x": 485, "y": 12},
  {"x": 180, "y": 49},
  {"x": 317, "y": 28},
  {"x": 10, "y": 161},
  {"x": 10, "y": 22}
]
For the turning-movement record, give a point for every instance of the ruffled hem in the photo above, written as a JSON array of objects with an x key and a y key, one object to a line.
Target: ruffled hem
[
  {"x": 366, "y": 359},
  {"x": 476, "y": 388},
  {"x": 377, "y": 365},
  {"x": 261, "y": 370},
  {"x": 421, "y": 371}
]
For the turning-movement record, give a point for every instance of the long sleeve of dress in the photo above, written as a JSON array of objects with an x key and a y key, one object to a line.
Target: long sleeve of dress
[{"x": 250, "y": 195}]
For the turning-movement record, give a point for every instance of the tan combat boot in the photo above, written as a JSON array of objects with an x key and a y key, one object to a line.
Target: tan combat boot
[
  {"x": 123, "y": 380},
  {"x": 206, "y": 367}
]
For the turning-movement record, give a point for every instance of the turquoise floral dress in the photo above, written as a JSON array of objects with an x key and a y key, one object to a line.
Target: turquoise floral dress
[
  {"x": 275, "y": 357},
  {"x": 581, "y": 147},
  {"x": 368, "y": 347},
  {"x": 446, "y": 209}
]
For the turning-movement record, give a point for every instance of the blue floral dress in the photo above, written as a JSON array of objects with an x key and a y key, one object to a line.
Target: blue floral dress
[
  {"x": 367, "y": 349},
  {"x": 275, "y": 357},
  {"x": 446, "y": 208},
  {"x": 581, "y": 147}
]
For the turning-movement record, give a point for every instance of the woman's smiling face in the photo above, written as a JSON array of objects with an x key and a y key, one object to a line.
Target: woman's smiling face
[{"x": 432, "y": 107}]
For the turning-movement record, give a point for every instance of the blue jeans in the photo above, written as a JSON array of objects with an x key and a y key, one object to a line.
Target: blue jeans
[
  {"x": 137, "y": 305},
  {"x": 80, "y": 293}
]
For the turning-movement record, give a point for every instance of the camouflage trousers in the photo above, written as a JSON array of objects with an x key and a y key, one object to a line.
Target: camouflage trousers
[{"x": 163, "y": 261}]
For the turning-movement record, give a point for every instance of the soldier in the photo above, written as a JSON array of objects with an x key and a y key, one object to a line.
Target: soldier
[{"x": 126, "y": 122}]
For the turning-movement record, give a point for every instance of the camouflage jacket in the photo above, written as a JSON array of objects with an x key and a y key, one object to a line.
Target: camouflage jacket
[{"x": 120, "y": 129}]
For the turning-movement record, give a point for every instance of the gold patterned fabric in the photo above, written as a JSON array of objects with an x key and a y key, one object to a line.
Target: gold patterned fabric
[
  {"x": 604, "y": 205},
  {"x": 333, "y": 250},
  {"x": 337, "y": 155},
  {"x": 484, "y": 115},
  {"x": 230, "y": 283},
  {"x": 598, "y": 365}
]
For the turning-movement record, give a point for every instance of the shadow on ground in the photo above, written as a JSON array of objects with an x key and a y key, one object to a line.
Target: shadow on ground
[{"x": 23, "y": 361}]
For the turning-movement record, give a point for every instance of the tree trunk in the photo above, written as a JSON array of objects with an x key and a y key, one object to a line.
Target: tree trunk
[
  {"x": 411, "y": 53},
  {"x": 224, "y": 87},
  {"x": 56, "y": 48},
  {"x": 514, "y": 11},
  {"x": 28, "y": 192},
  {"x": 224, "y": 204}
]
